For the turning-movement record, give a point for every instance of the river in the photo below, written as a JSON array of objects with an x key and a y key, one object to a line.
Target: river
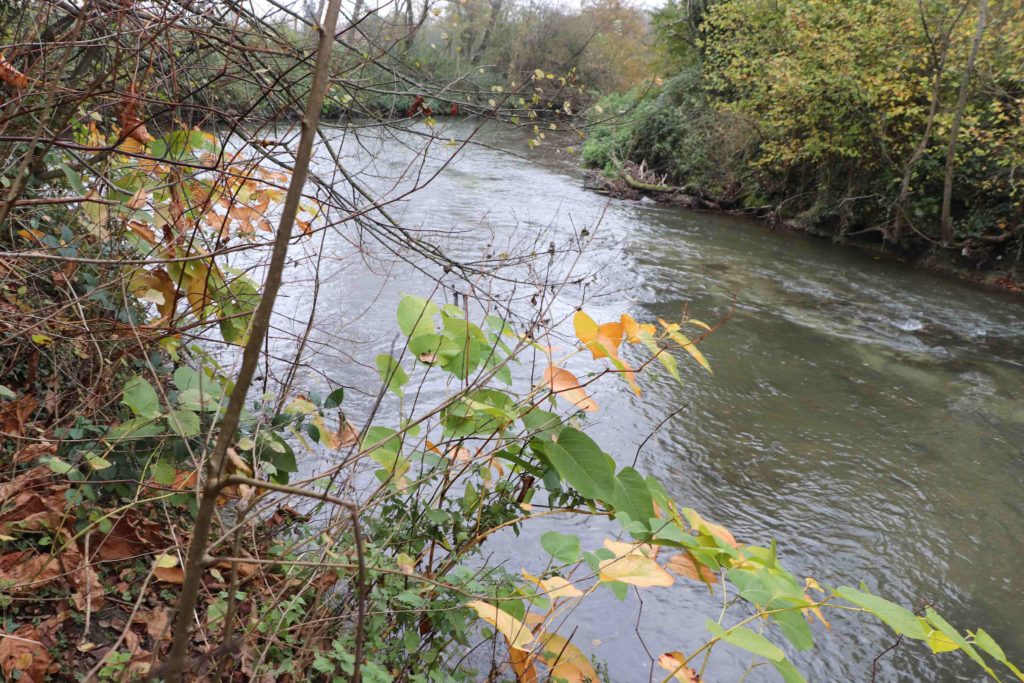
[{"x": 868, "y": 416}]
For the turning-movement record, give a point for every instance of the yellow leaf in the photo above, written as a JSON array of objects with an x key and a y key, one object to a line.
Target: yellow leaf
[
  {"x": 673, "y": 663},
  {"x": 684, "y": 341},
  {"x": 602, "y": 340},
  {"x": 565, "y": 660},
  {"x": 166, "y": 561},
  {"x": 565, "y": 385},
  {"x": 636, "y": 570},
  {"x": 936, "y": 640},
  {"x": 554, "y": 587},
  {"x": 622, "y": 549},
  {"x": 515, "y": 631}
]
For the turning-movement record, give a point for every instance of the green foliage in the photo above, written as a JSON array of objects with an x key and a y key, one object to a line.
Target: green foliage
[{"x": 823, "y": 109}]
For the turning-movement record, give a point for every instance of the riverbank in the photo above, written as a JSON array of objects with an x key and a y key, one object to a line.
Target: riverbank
[{"x": 973, "y": 263}]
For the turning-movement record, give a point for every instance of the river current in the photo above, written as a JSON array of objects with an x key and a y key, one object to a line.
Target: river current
[{"x": 868, "y": 416}]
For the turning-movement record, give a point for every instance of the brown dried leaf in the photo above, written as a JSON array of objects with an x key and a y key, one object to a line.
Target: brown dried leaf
[
  {"x": 24, "y": 652},
  {"x": 27, "y": 571},
  {"x": 130, "y": 537},
  {"x": 32, "y": 501},
  {"x": 157, "y": 621},
  {"x": 14, "y": 415},
  {"x": 32, "y": 451},
  {"x": 175, "y": 575}
]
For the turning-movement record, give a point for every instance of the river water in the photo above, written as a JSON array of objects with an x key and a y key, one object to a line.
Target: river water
[{"x": 867, "y": 416}]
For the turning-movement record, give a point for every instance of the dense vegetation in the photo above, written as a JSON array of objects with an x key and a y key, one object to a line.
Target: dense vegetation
[
  {"x": 901, "y": 120},
  {"x": 176, "y": 504}
]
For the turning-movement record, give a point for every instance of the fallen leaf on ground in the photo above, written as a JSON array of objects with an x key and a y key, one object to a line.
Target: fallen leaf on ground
[
  {"x": 24, "y": 652},
  {"x": 14, "y": 415},
  {"x": 25, "y": 570},
  {"x": 157, "y": 621},
  {"x": 32, "y": 501},
  {"x": 173, "y": 575}
]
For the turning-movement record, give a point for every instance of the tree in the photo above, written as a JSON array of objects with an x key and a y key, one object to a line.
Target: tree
[{"x": 946, "y": 219}]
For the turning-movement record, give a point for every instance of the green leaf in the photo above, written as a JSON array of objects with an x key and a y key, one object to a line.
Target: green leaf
[
  {"x": 580, "y": 462},
  {"x": 74, "y": 179},
  {"x": 563, "y": 547},
  {"x": 183, "y": 422},
  {"x": 748, "y": 640},
  {"x": 136, "y": 428},
  {"x": 946, "y": 629},
  {"x": 899, "y": 619},
  {"x": 140, "y": 396},
  {"x": 795, "y": 627},
  {"x": 985, "y": 642},
  {"x": 416, "y": 315},
  {"x": 632, "y": 496},
  {"x": 788, "y": 671},
  {"x": 164, "y": 472},
  {"x": 542, "y": 424},
  {"x": 334, "y": 398},
  {"x": 690, "y": 348},
  {"x": 663, "y": 356},
  {"x": 58, "y": 466},
  {"x": 391, "y": 373}
]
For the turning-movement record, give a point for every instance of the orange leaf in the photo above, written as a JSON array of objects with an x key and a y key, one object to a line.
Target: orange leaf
[
  {"x": 700, "y": 524},
  {"x": 143, "y": 231},
  {"x": 131, "y": 123},
  {"x": 565, "y": 385},
  {"x": 174, "y": 575},
  {"x": 634, "y": 331},
  {"x": 156, "y": 286},
  {"x": 522, "y": 665},
  {"x": 602, "y": 340},
  {"x": 621, "y": 549},
  {"x": 673, "y": 663},
  {"x": 554, "y": 587},
  {"x": 684, "y": 565},
  {"x": 11, "y": 76}
]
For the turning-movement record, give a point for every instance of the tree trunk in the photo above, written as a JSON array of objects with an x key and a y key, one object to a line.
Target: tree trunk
[
  {"x": 410, "y": 20},
  {"x": 954, "y": 131},
  {"x": 939, "y": 65},
  {"x": 492, "y": 21}
]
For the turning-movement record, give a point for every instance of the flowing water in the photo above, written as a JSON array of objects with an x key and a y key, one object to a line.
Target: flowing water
[{"x": 867, "y": 416}]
